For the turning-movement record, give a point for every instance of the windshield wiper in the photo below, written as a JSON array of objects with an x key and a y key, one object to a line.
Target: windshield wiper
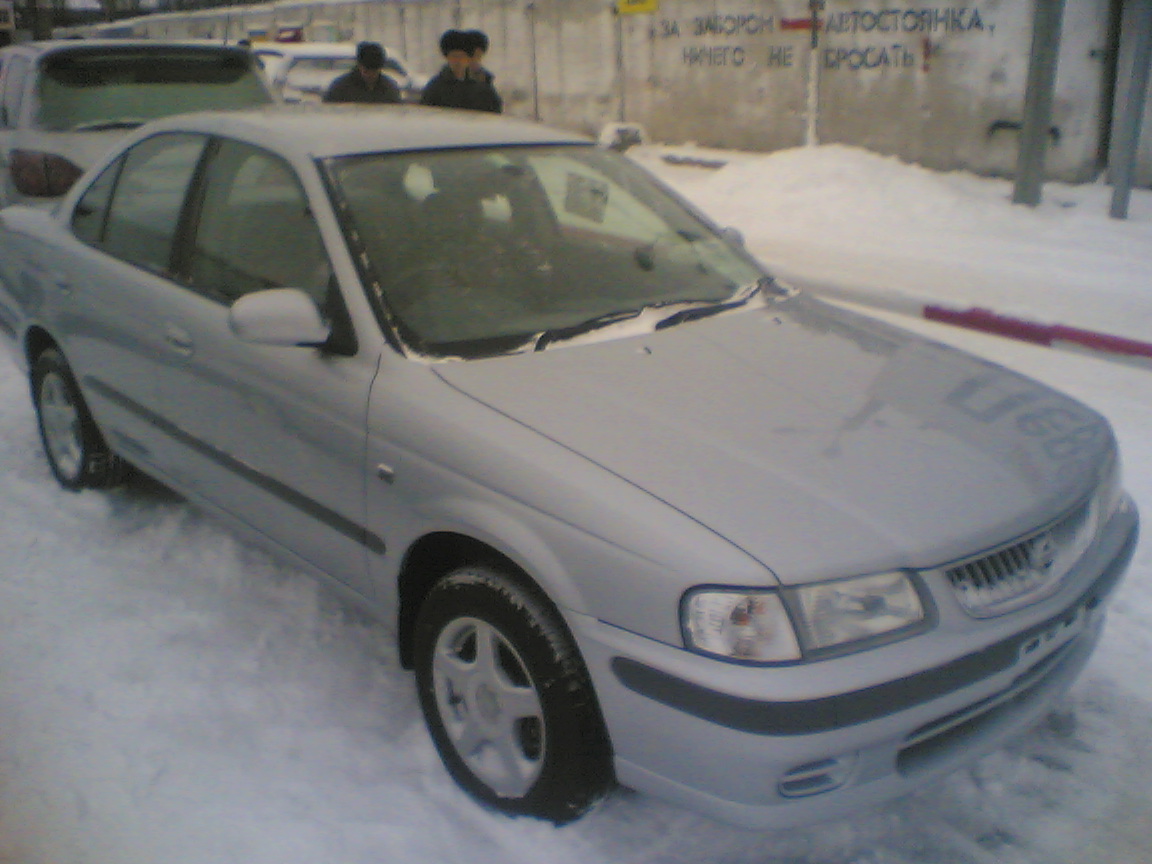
[
  {"x": 693, "y": 310},
  {"x": 561, "y": 333},
  {"x": 686, "y": 310}
]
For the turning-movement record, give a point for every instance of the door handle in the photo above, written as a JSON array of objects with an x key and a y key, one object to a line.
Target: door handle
[{"x": 179, "y": 339}]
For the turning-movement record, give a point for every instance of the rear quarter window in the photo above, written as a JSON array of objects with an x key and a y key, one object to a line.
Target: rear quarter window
[{"x": 132, "y": 211}]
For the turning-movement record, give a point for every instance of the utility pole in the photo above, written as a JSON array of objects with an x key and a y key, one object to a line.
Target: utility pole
[
  {"x": 1136, "y": 30},
  {"x": 1047, "y": 19}
]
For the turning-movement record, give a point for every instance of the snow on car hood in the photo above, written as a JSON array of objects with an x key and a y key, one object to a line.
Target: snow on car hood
[{"x": 821, "y": 443}]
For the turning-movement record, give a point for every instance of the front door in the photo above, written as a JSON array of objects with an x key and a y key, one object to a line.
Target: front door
[{"x": 277, "y": 434}]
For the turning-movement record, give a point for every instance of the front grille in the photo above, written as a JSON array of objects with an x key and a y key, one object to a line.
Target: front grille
[{"x": 1026, "y": 570}]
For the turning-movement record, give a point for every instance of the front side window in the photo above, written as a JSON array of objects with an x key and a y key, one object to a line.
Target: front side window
[
  {"x": 481, "y": 251},
  {"x": 256, "y": 229},
  {"x": 133, "y": 209},
  {"x": 91, "y": 90}
]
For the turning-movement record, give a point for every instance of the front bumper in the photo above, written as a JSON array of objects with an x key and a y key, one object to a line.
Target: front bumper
[{"x": 742, "y": 756}]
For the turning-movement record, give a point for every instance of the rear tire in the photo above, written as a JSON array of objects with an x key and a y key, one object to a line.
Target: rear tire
[
  {"x": 507, "y": 699},
  {"x": 75, "y": 449}
]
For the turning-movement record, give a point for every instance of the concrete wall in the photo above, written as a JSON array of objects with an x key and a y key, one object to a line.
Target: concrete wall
[
  {"x": 948, "y": 83},
  {"x": 941, "y": 85}
]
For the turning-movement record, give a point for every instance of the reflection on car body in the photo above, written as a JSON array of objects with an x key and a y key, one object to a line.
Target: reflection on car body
[{"x": 638, "y": 512}]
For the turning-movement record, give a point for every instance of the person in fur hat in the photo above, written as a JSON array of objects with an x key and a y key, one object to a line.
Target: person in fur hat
[{"x": 463, "y": 82}]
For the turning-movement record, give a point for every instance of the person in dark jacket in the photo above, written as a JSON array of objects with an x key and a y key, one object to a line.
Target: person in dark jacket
[
  {"x": 463, "y": 82},
  {"x": 366, "y": 82},
  {"x": 476, "y": 70}
]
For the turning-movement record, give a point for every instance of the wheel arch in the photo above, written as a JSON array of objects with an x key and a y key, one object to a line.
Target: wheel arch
[
  {"x": 36, "y": 341},
  {"x": 432, "y": 557}
]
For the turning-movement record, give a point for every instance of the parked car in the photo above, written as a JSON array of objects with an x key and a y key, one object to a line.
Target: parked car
[
  {"x": 302, "y": 71},
  {"x": 638, "y": 512},
  {"x": 64, "y": 102}
]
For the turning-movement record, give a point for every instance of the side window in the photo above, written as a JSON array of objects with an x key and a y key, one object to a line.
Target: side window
[
  {"x": 256, "y": 229},
  {"x": 88, "y": 218},
  {"x": 13, "y": 78},
  {"x": 148, "y": 199}
]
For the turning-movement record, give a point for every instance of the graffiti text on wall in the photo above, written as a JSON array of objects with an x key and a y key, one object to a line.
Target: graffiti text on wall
[
  {"x": 719, "y": 25},
  {"x": 924, "y": 22},
  {"x": 947, "y": 20},
  {"x": 872, "y": 57},
  {"x": 732, "y": 25},
  {"x": 778, "y": 56}
]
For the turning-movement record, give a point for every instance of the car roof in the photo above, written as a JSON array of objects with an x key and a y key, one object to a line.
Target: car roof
[
  {"x": 318, "y": 131},
  {"x": 112, "y": 46}
]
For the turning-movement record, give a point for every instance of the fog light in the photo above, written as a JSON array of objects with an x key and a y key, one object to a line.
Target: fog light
[{"x": 815, "y": 778}]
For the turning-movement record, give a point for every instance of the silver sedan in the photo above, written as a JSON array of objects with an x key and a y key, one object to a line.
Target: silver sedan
[{"x": 639, "y": 513}]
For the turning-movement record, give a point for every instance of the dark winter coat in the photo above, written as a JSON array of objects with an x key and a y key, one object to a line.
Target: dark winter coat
[
  {"x": 475, "y": 93},
  {"x": 351, "y": 87}
]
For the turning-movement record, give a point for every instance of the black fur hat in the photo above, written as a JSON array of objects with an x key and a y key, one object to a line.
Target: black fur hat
[
  {"x": 479, "y": 39},
  {"x": 456, "y": 40}
]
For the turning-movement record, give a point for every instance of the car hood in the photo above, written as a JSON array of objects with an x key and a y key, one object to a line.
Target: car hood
[{"x": 819, "y": 442}]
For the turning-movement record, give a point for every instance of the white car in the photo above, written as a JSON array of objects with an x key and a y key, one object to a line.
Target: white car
[
  {"x": 63, "y": 103},
  {"x": 637, "y": 511},
  {"x": 302, "y": 71}
]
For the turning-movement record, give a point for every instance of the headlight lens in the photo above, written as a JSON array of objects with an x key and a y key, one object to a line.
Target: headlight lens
[
  {"x": 849, "y": 610},
  {"x": 770, "y": 626}
]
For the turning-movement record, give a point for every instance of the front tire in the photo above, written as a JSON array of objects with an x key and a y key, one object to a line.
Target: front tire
[
  {"x": 507, "y": 698},
  {"x": 76, "y": 451}
]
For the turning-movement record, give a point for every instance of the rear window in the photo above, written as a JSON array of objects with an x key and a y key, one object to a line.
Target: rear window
[{"x": 121, "y": 89}]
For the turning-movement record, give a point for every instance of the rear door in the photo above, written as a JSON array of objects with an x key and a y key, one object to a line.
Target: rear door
[{"x": 115, "y": 289}]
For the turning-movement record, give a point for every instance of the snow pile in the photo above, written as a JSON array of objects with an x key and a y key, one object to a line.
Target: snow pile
[{"x": 839, "y": 216}]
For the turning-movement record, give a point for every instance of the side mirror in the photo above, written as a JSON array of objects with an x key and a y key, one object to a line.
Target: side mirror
[{"x": 278, "y": 316}]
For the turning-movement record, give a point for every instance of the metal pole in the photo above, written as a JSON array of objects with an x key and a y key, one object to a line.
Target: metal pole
[
  {"x": 531, "y": 10},
  {"x": 620, "y": 85},
  {"x": 402, "y": 12},
  {"x": 813, "y": 95},
  {"x": 1137, "y": 28},
  {"x": 1047, "y": 20}
]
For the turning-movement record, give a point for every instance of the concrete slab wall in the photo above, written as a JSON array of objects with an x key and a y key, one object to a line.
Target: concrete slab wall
[
  {"x": 935, "y": 83},
  {"x": 954, "y": 94}
]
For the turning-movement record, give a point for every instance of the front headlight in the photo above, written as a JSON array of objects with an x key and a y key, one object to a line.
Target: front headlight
[
  {"x": 830, "y": 614},
  {"x": 776, "y": 626}
]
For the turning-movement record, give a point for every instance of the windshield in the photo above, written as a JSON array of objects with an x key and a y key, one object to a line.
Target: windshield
[
  {"x": 112, "y": 89},
  {"x": 482, "y": 251}
]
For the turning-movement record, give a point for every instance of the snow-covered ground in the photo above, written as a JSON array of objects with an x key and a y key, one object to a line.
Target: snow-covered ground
[{"x": 169, "y": 694}]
